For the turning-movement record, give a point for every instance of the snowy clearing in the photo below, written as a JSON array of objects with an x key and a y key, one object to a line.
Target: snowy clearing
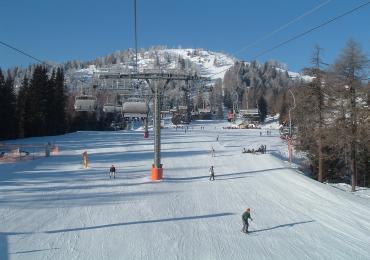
[{"x": 52, "y": 208}]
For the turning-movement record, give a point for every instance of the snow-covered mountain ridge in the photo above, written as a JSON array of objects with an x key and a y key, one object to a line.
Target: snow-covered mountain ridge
[{"x": 207, "y": 63}]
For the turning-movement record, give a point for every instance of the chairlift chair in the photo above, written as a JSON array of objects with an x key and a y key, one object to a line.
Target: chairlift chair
[
  {"x": 136, "y": 105},
  {"x": 111, "y": 108},
  {"x": 85, "y": 103},
  {"x": 135, "y": 109}
]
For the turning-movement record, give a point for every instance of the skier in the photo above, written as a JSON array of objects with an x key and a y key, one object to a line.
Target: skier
[
  {"x": 47, "y": 149},
  {"x": 85, "y": 161},
  {"x": 112, "y": 172},
  {"x": 211, "y": 173},
  {"x": 213, "y": 152},
  {"x": 246, "y": 215},
  {"x": 217, "y": 138}
]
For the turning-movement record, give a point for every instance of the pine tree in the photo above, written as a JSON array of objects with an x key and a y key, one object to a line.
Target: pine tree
[
  {"x": 262, "y": 108},
  {"x": 22, "y": 101},
  {"x": 51, "y": 106},
  {"x": 60, "y": 101},
  {"x": 35, "y": 123},
  {"x": 7, "y": 107}
]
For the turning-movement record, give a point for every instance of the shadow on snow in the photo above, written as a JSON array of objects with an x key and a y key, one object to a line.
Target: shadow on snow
[
  {"x": 34, "y": 251},
  {"x": 236, "y": 175},
  {"x": 140, "y": 222},
  {"x": 282, "y": 226}
]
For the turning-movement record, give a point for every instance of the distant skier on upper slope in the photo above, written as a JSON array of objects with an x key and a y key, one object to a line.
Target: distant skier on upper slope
[
  {"x": 211, "y": 173},
  {"x": 112, "y": 172}
]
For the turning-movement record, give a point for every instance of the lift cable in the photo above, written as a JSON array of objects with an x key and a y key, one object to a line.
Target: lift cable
[
  {"x": 304, "y": 33},
  {"x": 310, "y": 30},
  {"x": 282, "y": 27},
  {"x": 22, "y": 52}
]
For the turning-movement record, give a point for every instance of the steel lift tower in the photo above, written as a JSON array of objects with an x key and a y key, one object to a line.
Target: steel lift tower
[{"x": 158, "y": 81}]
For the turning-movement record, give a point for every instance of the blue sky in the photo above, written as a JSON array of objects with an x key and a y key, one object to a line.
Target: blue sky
[{"x": 67, "y": 30}]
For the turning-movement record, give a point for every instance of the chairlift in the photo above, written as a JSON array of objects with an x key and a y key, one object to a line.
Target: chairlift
[
  {"x": 111, "y": 108},
  {"x": 85, "y": 103},
  {"x": 135, "y": 108}
]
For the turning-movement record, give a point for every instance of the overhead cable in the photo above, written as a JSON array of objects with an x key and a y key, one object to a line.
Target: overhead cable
[
  {"x": 20, "y": 51},
  {"x": 305, "y": 32},
  {"x": 282, "y": 27}
]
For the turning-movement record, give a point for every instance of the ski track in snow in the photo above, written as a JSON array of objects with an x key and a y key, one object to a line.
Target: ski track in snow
[{"x": 52, "y": 208}]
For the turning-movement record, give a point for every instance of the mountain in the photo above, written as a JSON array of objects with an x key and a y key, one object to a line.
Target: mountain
[{"x": 207, "y": 63}]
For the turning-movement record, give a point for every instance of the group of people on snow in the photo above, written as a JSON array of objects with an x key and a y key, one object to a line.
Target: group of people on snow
[
  {"x": 267, "y": 133},
  {"x": 261, "y": 149}
]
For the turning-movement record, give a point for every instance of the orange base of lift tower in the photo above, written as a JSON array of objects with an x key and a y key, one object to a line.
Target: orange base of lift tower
[{"x": 157, "y": 173}]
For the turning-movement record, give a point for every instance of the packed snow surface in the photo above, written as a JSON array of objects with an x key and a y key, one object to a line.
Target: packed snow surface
[{"x": 52, "y": 208}]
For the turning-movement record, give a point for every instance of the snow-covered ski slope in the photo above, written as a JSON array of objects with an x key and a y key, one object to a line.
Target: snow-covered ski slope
[
  {"x": 51, "y": 208},
  {"x": 210, "y": 64}
]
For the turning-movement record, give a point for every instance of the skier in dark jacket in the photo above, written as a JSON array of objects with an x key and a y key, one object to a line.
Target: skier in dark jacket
[
  {"x": 213, "y": 152},
  {"x": 246, "y": 215},
  {"x": 211, "y": 174},
  {"x": 112, "y": 172}
]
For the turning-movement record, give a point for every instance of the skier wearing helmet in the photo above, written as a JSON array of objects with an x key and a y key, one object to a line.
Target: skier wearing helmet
[{"x": 246, "y": 215}]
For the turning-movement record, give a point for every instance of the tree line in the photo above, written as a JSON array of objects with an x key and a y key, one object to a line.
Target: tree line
[
  {"x": 332, "y": 117},
  {"x": 331, "y": 120},
  {"x": 253, "y": 85},
  {"x": 37, "y": 108}
]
